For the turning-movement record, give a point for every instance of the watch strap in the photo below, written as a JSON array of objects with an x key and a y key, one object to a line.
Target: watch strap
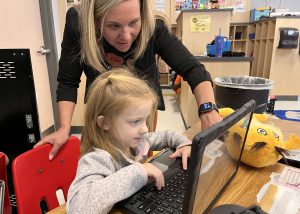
[{"x": 207, "y": 107}]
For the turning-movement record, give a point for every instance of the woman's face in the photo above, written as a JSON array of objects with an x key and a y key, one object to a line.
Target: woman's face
[{"x": 122, "y": 24}]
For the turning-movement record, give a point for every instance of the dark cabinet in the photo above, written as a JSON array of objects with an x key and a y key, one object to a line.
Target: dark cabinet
[{"x": 19, "y": 126}]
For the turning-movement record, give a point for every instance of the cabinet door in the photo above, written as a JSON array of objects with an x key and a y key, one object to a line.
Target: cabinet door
[{"x": 19, "y": 127}]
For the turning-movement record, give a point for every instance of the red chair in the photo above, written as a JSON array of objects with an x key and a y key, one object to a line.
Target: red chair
[
  {"x": 36, "y": 178},
  {"x": 7, "y": 209}
]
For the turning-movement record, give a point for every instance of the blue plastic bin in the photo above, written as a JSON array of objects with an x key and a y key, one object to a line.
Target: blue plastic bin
[{"x": 210, "y": 49}]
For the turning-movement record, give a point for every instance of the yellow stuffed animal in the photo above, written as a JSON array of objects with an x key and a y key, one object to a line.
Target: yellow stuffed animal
[{"x": 264, "y": 145}]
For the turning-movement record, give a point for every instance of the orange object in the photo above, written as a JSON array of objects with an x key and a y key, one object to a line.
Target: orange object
[
  {"x": 37, "y": 179},
  {"x": 177, "y": 84}
]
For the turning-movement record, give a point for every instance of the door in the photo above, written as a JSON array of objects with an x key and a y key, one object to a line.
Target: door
[{"x": 21, "y": 28}]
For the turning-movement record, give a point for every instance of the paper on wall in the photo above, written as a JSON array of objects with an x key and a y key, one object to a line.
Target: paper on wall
[
  {"x": 200, "y": 23},
  {"x": 160, "y": 5}
]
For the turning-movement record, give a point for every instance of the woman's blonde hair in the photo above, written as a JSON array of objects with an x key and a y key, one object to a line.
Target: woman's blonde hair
[
  {"x": 94, "y": 11},
  {"x": 109, "y": 94}
]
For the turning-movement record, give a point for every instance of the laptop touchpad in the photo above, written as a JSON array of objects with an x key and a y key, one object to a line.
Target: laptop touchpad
[{"x": 162, "y": 161}]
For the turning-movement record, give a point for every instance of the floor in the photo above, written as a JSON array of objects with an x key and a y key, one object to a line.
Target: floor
[{"x": 170, "y": 119}]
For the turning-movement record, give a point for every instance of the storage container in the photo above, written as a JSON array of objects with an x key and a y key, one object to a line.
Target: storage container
[
  {"x": 233, "y": 92},
  {"x": 210, "y": 49}
]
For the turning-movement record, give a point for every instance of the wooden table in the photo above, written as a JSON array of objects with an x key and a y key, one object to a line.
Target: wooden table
[{"x": 248, "y": 181}]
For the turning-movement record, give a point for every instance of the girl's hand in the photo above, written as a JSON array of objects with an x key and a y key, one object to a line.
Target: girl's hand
[
  {"x": 183, "y": 152},
  {"x": 155, "y": 173}
]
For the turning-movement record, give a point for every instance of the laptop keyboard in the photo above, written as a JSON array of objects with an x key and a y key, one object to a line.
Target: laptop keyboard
[{"x": 167, "y": 200}]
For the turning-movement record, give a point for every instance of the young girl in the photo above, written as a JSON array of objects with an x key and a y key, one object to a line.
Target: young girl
[{"x": 115, "y": 140}]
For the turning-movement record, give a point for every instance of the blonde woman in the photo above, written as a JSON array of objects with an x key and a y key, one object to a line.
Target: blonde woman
[
  {"x": 115, "y": 139},
  {"x": 101, "y": 34}
]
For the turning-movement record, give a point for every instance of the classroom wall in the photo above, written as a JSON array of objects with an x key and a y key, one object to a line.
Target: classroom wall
[
  {"x": 292, "y": 5},
  {"x": 22, "y": 28}
]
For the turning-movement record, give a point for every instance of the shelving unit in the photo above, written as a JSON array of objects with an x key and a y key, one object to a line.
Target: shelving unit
[
  {"x": 238, "y": 33},
  {"x": 271, "y": 62},
  {"x": 260, "y": 40},
  {"x": 164, "y": 76},
  {"x": 263, "y": 47}
]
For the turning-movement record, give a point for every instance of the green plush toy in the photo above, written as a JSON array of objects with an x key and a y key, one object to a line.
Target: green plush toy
[{"x": 264, "y": 145}]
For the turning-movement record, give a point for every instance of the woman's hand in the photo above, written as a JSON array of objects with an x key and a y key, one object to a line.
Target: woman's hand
[
  {"x": 184, "y": 152},
  {"x": 155, "y": 173},
  {"x": 209, "y": 118},
  {"x": 57, "y": 139}
]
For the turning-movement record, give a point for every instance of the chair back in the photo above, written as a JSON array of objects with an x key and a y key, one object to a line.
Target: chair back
[
  {"x": 7, "y": 209},
  {"x": 37, "y": 179}
]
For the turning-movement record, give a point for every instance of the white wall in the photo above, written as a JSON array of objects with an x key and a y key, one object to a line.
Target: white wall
[{"x": 292, "y": 5}]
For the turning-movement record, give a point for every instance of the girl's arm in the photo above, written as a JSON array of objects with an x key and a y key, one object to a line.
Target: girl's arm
[
  {"x": 100, "y": 183},
  {"x": 166, "y": 139}
]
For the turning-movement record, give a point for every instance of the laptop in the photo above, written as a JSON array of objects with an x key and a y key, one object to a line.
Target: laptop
[{"x": 213, "y": 163}]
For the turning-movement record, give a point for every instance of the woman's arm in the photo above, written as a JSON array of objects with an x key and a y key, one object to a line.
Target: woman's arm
[
  {"x": 58, "y": 138},
  {"x": 70, "y": 70},
  {"x": 204, "y": 93},
  {"x": 179, "y": 58}
]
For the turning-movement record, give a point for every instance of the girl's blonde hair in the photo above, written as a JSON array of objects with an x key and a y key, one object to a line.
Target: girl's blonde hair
[
  {"x": 109, "y": 94},
  {"x": 94, "y": 11}
]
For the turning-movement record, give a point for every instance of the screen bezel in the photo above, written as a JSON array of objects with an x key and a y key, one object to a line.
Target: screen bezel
[{"x": 200, "y": 141}]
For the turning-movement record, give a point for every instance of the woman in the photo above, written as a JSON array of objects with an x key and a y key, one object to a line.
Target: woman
[{"x": 102, "y": 34}]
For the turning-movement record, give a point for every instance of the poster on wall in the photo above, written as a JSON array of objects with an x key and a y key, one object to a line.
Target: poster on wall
[
  {"x": 178, "y": 5},
  {"x": 240, "y": 6},
  {"x": 200, "y": 23},
  {"x": 160, "y": 5},
  {"x": 222, "y": 3}
]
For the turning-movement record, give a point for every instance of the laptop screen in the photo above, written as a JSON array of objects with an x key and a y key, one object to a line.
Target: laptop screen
[{"x": 220, "y": 161}]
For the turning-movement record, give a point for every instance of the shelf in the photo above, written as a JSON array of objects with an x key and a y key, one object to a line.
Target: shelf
[
  {"x": 261, "y": 58},
  {"x": 264, "y": 30},
  {"x": 258, "y": 31},
  {"x": 271, "y": 28},
  {"x": 239, "y": 40},
  {"x": 164, "y": 79},
  {"x": 238, "y": 34},
  {"x": 268, "y": 61}
]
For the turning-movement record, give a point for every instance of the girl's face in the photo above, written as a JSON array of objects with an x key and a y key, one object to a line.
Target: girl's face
[
  {"x": 129, "y": 126},
  {"x": 122, "y": 24}
]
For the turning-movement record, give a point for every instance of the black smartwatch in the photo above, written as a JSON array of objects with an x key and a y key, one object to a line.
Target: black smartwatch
[{"x": 207, "y": 107}]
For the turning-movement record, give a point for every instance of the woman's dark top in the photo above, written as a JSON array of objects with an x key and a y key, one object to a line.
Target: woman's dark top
[{"x": 166, "y": 45}]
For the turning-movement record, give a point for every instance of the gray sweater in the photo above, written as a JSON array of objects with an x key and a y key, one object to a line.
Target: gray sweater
[{"x": 101, "y": 182}]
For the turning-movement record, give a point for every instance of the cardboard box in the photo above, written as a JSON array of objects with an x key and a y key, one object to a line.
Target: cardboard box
[{"x": 258, "y": 13}]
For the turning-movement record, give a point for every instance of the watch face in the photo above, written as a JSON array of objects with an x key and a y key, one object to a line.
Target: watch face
[{"x": 207, "y": 106}]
